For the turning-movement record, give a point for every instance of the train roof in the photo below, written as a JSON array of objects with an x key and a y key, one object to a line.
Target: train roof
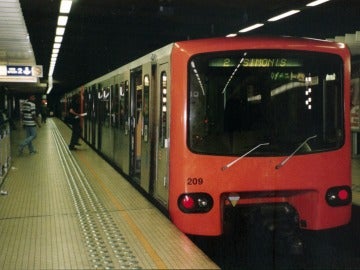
[
  {"x": 230, "y": 43},
  {"x": 263, "y": 42}
]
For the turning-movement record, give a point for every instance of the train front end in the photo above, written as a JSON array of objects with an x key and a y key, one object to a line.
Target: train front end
[{"x": 259, "y": 123}]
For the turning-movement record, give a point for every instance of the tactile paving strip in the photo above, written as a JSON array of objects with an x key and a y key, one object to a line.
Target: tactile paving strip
[{"x": 101, "y": 235}]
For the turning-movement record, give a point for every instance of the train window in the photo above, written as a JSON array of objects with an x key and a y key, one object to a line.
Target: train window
[
  {"x": 94, "y": 103},
  {"x": 239, "y": 100},
  {"x": 125, "y": 106},
  {"x": 146, "y": 105},
  {"x": 103, "y": 104},
  {"x": 115, "y": 100},
  {"x": 113, "y": 105},
  {"x": 121, "y": 110},
  {"x": 163, "y": 110}
]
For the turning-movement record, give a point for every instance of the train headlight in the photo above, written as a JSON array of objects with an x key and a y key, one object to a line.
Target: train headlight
[
  {"x": 195, "y": 202},
  {"x": 338, "y": 196}
]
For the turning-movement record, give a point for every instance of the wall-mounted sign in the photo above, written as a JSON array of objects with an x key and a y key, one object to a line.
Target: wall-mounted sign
[
  {"x": 19, "y": 73},
  {"x": 35, "y": 71}
]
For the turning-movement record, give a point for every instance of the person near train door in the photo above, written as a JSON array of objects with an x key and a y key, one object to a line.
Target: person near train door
[
  {"x": 74, "y": 113},
  {"x": 29, "y": 121}
]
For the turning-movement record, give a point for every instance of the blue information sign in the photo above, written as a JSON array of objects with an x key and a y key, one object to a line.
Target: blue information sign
[{"x": 19, "y": 71}]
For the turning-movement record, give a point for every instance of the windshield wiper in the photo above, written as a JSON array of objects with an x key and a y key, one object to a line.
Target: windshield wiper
[
  {"x": 282, "y": 163},
  {"x": 244, "y": 155}
]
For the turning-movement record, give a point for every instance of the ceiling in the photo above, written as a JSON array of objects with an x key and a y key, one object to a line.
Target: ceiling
[{"x": 103, "y": 35}]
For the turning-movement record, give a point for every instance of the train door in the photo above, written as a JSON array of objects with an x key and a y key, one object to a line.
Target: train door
[
  {"x": 161, "y": 158},
  {"x": 136, "y": 123},
  {"x": 106, "y": 137},
  {"x": 146, "y": 144}
]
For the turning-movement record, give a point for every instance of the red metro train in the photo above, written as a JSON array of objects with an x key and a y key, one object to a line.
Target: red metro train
[{"x": 204, "y": 126}]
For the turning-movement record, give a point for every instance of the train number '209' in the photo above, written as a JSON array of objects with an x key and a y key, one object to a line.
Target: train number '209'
[{"x": 195, "y": 181}]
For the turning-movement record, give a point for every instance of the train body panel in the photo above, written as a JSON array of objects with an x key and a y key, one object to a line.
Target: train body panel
[{"x": 167, "y": 125}]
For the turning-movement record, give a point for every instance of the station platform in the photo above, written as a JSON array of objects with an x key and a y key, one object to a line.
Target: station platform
[{"x": 71, "y": 210}]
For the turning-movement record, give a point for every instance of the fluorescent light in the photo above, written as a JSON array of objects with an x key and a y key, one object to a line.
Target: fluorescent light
[
  {"x": 316, "y": 3},
  {"x": 50, "y": 84},
  {"x": 231, "y": 35},
  {"x": 62, "y": 20},
  {"x": 51, "y": 70},
  {"x": 58, "y": 39},
  {"x": 283, "y": 15},
  {"x": 65, "y": 6},
  {"x": 60, "y": 31},
  {"x": 252, "y": 27}
]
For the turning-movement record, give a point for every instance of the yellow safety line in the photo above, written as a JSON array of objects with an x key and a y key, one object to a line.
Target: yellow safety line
[{"x": 145, "y": 243}]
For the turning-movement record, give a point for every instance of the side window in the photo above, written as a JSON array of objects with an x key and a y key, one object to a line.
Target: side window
[
  {"x": 86, "y": 101},
  {"x": 112, "y": 104},
  {"x": 122, "y": 118},
  {"x": 125, "y": 105},
  {"x": 163, "y": 110},
  {"x": 146, "y": 104},
  {"x": 116, "y": 105}
]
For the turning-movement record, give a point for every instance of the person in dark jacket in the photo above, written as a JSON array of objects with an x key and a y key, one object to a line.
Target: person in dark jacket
[{"x": 74, "y": 112}]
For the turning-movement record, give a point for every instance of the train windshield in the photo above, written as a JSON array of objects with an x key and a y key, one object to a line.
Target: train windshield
[{"x": 239, "y": 100}]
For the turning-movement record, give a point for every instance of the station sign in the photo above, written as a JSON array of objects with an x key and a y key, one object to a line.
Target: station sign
[
  {"x": 20, "y": 73},
  {"x": 27, "y": 71}
]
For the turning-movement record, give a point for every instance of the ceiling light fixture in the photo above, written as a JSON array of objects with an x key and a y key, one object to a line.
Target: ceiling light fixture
[
  {"x": 60, "y": 31},
  {"x": 252, "y": 27},
  {"x": 283, "y": 15},
  {"x": 231, "y": 35},
  {"x": 58, "y": 39},
  {"x": 64, "y": 10},
  {"x": 65, "y": 6},
  {"x": 62, "y": 20},
  {"x": 316, "y": 3}
]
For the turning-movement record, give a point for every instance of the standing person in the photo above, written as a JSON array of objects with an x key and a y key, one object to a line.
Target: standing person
[
  {"x": 44, "y": 111},
  {"x": 74, "y": 112},
  {"x": 29, "y": 120}
]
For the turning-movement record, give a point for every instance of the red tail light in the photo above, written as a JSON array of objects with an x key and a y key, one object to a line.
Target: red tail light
[
  {"x": 195, "y": 203},
  {"x": 188, "y": 202},
  {"x": 338, "y": 196}
]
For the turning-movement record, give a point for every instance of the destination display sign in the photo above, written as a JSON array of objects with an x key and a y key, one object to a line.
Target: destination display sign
[{"x": 255, "y": 62}]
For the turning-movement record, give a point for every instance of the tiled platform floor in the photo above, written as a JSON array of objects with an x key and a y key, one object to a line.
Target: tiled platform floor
[{"x": 71, "y": 210}]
